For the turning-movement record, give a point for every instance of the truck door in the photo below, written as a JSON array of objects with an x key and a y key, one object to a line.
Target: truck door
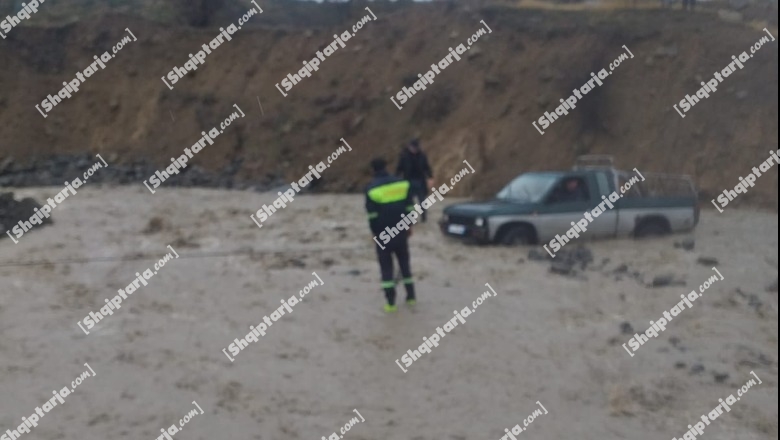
[
  {"x": 565, "y": 203},
  {"x": 605, "y": 226}
]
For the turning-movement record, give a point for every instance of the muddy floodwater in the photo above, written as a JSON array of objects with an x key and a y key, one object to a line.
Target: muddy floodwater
[{"x": 545, "y": 340}]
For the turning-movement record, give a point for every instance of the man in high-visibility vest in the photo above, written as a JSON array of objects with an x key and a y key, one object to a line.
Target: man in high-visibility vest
[{"x": 388, "y": 202}]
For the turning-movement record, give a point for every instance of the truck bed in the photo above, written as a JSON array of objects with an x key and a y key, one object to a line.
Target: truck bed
[{"x": 659, "y": 185}]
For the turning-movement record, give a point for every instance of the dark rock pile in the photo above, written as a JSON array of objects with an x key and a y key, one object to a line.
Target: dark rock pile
[
  {"x": 57, "y": 169},
  {"x": 567, "y": 261},
  {"x": 12, "y": 211}
]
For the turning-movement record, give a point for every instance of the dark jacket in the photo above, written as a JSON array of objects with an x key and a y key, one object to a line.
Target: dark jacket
[
  {"x": 413, "y": 166},
  {"x": 387, "y": 199}
]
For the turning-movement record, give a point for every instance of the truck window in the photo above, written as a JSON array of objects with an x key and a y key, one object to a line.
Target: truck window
[
  {"x": 529, "y": 187},
  {"x": 570, "y": 189}
]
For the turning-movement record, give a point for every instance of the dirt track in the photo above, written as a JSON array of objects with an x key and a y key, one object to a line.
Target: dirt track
[{"x": 543, "y": 338}]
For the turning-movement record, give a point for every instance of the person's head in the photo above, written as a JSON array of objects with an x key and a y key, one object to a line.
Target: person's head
[
  {"x": 572, "y": 185},
  {"x": 378, "y": 164},
  {"x": 414, "y": 145}
]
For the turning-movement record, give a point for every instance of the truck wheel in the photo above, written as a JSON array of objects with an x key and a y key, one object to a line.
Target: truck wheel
[
  {"x": 516, "y": 235},
  {"x": 652, "y": 228}
]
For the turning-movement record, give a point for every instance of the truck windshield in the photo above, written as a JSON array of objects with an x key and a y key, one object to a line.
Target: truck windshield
[{"x": 529, "y": 187}]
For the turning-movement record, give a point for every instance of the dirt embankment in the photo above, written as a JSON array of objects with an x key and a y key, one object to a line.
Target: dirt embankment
[{"x": 480, "y": 108}]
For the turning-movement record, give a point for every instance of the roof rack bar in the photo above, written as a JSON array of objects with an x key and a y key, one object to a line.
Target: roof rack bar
[{"x": 591, "y": 161}]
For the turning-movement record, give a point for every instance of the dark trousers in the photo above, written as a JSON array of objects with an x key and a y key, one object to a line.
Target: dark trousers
[
  {"x": 398, "y": 246},
  {"x": 419, "y": 190}
]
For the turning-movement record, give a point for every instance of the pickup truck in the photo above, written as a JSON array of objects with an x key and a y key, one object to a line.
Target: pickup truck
[{"x": 536, "y": 206}]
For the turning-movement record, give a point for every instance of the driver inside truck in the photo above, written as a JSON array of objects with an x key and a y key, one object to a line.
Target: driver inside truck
[{"x": 570, "y": 190}]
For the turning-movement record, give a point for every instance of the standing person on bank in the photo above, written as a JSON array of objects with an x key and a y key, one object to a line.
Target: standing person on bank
[
  {"x": 388, "y": 199},
  {"x": 413, "y": 166}
]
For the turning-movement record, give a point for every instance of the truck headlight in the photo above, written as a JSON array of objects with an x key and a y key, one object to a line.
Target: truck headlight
[{"x": 479, "y": 222}]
